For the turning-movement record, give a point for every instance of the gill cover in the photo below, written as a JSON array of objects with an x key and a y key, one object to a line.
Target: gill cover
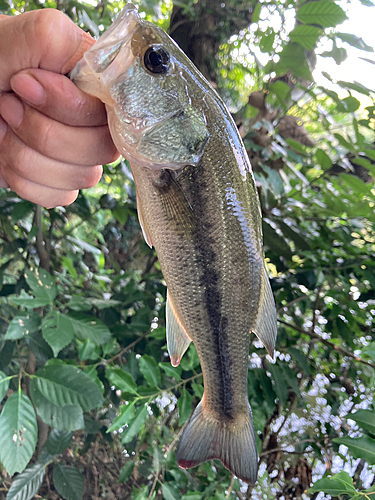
[{"x": 136, "y": 70}]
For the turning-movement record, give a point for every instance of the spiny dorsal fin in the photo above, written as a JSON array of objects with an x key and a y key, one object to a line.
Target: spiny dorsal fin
[
  {"x": 266, "y": 324},
  {"x": 177, "y": 338}
]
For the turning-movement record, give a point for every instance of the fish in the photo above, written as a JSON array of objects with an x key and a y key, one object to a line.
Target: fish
[{"x": 198, "y": 207}]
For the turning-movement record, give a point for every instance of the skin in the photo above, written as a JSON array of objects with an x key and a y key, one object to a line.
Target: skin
[{"x": 53, "y": 136}]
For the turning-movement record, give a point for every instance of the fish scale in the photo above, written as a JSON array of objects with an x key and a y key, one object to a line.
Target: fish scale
[{"x": 198, "y": 206}]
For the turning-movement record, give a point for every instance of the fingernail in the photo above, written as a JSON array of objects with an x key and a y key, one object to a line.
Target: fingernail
[
  {"x": 11, "y": 110},
  {"x": 27, "y": 87},
  {"x": 3, "y": 129}
]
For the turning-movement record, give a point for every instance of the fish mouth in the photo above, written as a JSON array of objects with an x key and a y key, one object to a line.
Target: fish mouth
[{"x": 111, "y": 55}]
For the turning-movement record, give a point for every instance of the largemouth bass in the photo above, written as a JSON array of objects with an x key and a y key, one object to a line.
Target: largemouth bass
[{"x": 198, "y": 206}]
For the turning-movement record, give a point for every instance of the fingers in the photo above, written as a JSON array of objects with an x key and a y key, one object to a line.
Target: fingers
[
  {"x": 82, "y": 145},
  {"x": 37, "y": 193},
  {"x": 57, "y": 97},
  {"x": 32, "y": 166},
  {"x": 45, "y": 39}
]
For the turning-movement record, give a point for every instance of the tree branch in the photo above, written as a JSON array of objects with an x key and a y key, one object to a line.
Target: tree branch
[{"x": 328, "y": 343}]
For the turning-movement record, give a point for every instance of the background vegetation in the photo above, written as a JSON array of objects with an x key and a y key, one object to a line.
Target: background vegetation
[{"x": 90, "y": 405}]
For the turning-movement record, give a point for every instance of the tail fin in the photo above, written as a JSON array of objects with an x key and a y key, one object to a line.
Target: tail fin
[{"x": 233, "y": 443}]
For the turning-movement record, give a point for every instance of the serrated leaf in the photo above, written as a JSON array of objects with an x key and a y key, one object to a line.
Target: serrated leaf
[
  {"x": 19, "y": 432},
  {"x": 4, "y": 385},
  {"x": 323, "y": 13},
  {"x": 58, "y": 441},
  {"x": 125, "y": 416},
  {"x": 57, "y": 331},
  {"x": 23, "y": 325},
  {"x": 42, "y": 284},
  {"x": 339, "y": 484},
  {"x": 267, "y": 40},
  {"x": 67, "y": 385},
  {"x": 170, "y": 492},
  {"x": 150, "y": 370},
  {"x": 126, "y": 472},
  {"x": 307, "y": 36},
  {"x": 323, "y": 159},
  {"x": 184, "y": 404},
  {"x": 68, "y": 417},
  {"x": 362, "y": 447},
  {"x": 26, "y": 484},
  {"x": 68, "y": 482},
  {"x": 122, "y": 380},
  {"x": 88, "y": 327},
  {"x": 135, "y": 425},
  {"x": 364, "y": 418}
]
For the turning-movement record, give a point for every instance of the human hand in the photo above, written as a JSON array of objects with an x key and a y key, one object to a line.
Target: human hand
[{"x": 52, "y": 135}]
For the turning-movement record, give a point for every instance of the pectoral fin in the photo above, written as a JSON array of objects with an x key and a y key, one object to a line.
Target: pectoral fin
[
  {"x": 266, "y": 324},
  {"x": 177, "y": 338},
  {"x": 145, "y": 231}
]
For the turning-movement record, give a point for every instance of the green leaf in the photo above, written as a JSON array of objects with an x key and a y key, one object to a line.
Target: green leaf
[
  {"x": 66, "y": 385},
  {"x": 125, "y": 416},
  {"x": 170, "y": 492},
  {"x": 362, "y": 447},
  {"x": 122, "y": 380},
  {"x": 28, "y": 301},
  {"x": 88, "y": 327},
  {"x": 369, "y": 350},
  {"x": 20, "y": 326},
  {"x": 4, "y": 385},
  {"x": 19, "y": 431},
  {"x": 57, "y": 331},
  {"x": 42, "y": 284},
  {"x": 69, "y": 418},
  {"x": 267, "y": 40},
  {"x": 26, "y": 484},
  {"x": 293, "y": 58},
  {"x": 281, "y": 388},
  {"x": 58, "y": 441},
  {"x": 355, "y": 184},
  {"x": 135, "y": 425},
  {"x": 339, "y": 484},
  {"x": 184, "y": 404},
  {"x": 150, "y": 370},
  {"x": 323, "y": 13},
  {"x": 78, "y": 303},
  {"x": 323, "y": 159},
  {"x": 354, "y": 41},
  {"x": 68, "y": 482},
  {"x": 126, "y": 472},
  {"x": 364, "y": 418},
  {"x": 307, "y": 36},
  {"x": 171, "y": 371},
  {"x": 348, "y": 105}
]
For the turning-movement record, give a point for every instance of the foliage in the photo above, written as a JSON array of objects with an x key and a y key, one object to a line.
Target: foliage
[{"x": 82, "y": 342}]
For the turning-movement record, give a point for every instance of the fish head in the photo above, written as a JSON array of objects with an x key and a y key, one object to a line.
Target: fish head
[{"x": 153, "y": 93}]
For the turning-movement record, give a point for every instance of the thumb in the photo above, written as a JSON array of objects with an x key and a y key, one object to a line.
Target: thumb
[{"x": 45, "y": 39}]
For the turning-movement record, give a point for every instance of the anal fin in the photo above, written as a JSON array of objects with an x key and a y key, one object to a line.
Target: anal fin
[
  {"x": 266, "y": 323},
  {"x": 177, "y": 338}
]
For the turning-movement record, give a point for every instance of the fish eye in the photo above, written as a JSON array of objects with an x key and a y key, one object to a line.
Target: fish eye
[{"x": 156, "y": 59}]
